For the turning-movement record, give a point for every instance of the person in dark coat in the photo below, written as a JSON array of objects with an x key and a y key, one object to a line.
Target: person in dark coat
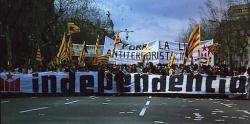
[{"x": 120, "y": 79}]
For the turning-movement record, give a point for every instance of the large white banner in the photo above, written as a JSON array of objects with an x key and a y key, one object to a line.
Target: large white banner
[
  {"x": 159, "y": 52},
  {"x": 94, "y": 82}
]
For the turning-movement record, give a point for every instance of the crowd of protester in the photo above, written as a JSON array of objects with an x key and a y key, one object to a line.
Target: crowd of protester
[{"x": 161, "y": 69}]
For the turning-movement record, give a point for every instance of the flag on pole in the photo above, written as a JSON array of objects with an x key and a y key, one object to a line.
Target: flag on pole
[
  {"x": 62, "y": 47},
  {"x": 83, "y": 53},
  {"x": 213, "y": 48},
  {"x": 104, "y": 59},
  {"x": 38, "y": 55},
  {"x": 171, "y": 61},
  {"x": 116, "y": 41},
  {"x": 69, "y": 49},
  {"x": 73, "y": 28},
  {"x": 145, "y": 51},
  {"x": 193, "y": 43},
  {"x": 96, "y": 48}
]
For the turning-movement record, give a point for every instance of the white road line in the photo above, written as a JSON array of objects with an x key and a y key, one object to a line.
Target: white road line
[
  {"x": 147, "y": 103},
  {"x": 71, "y": 102},
  {"x": 6, "y": 101},
  {"x": 35, "y": 109},
  {"x": 150, "y": 97},
  {"x": 245, "y": 111},
  {"x": 144, "y": 108},
  {"x": 143, "y": 111}
]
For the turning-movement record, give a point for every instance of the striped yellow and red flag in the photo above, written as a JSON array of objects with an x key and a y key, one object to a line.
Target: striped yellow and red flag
[
  {"x": 104, "y": 59},
  {"x": 83, "y": 53},
  {"x": 213, "y": 48},
  {"x": 116, "y": 41},
  {"x": 96, "y": 48},
  {"x": 38, "y": 55},
  {"x": 193, "y": 42},
  {"x": 62, "y": 47}
]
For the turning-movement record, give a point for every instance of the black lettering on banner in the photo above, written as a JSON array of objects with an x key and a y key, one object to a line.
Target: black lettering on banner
[
  {"x": 35, "y": 84},
  {"x": 45, "y": 82},
  {"x": 166, "y": 46},
  {"x": 68, "y": 84},
  {"x": 126, "y": 84},
  {"x": 120, "y": 54},
  {"x": 167, "y": 53},
  {"x": 154, "y": 55},
  {"x": 190, "y": 82},
  {"x": 138, "y": 55},
  {"x": 161, "y": 55},
  {"x": 222, "y": 86},
  {"x": 209, "y": 81},
  {"x": 131, "y": 47},
  {"x": 181, "y": 48},
  {"x": 86, "y": 81},
  {"x": 161, "y": 81},
  {"x": 137, "y": 80},
  {"x": 242, "y": 82},
  {"x": 132, "y": 55},
  {"x": 127, "y": 54},
  {"x": 175, "y": 80}
]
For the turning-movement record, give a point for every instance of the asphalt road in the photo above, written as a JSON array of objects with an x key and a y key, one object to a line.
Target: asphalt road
[{"x": 123, "y": 110}]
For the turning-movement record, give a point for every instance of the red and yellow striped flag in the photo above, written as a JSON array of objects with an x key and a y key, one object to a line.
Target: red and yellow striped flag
[
  {"x": 38, "y": 55},
  {"x": 104, "y": 59},
  {"x": 83, "y": 53},
  {"x": 193, "y": 42},
  {"x": 96, "y": 48},
  {"x": 145, "y": 51},
  {"x": 116, "y": 41},
  {"x": 213, "y": 48}
]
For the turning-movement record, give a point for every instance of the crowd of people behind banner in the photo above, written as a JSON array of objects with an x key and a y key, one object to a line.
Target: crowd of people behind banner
[{"x": 160, "y": 69}]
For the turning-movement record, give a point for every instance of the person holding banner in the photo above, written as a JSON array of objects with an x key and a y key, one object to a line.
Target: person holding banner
[{"x": 120, "y": 79}]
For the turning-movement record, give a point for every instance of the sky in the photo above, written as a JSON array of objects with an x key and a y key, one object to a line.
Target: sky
[{"x": 152, "y": 20}]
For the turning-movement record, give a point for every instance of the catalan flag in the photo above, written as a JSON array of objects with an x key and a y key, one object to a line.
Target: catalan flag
[
  {"x": 104, "y": 59},
  {"x": 116, "y": 41},
  {"x": 171, "y": 61},
  {"x": 62, "y": 47},
  {"x": 83, "y": 53},
  {"x": 73, "y": 28},
  {"x": 96, "y": 48},
  {"x": 38, "y": 55},
  {"x": 193, "y": 42},
  {"x": 213, "y": 48}
]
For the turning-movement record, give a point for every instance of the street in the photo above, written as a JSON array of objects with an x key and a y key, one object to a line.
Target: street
[{"x": 123, "y": 110}]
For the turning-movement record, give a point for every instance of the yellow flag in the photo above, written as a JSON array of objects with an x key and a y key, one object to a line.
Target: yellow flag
[
  {"x": 69, "y": 49},
  {"x": 145, "y": 51},
  {"x": 171, "y": 61},
  {"x": 38, "y": 55},
  {"x": 62, "y": 47},
  {"x": 73, "y": 28}
]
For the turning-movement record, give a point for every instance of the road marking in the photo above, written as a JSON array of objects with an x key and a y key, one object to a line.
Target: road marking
[
  {"x": 29, "y": 110},
  {"x": 71, "y": 102},
  {"x": 245, "y": 111},
  {"x": 159, "y": 122},
  {"x": 144, "y": 108},
  {"x": 130, "y": 112},
  {"x": 219, "y": 120},
  {"x": 150, "y": 97},
  {"x": 143, "y": 111},
  {"x": 6, "y": 101},
  {"x": 147, "y": 103}
]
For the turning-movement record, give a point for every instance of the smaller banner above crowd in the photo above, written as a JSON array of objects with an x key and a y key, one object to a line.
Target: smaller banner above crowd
[{"x": 158, "y": 52}]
